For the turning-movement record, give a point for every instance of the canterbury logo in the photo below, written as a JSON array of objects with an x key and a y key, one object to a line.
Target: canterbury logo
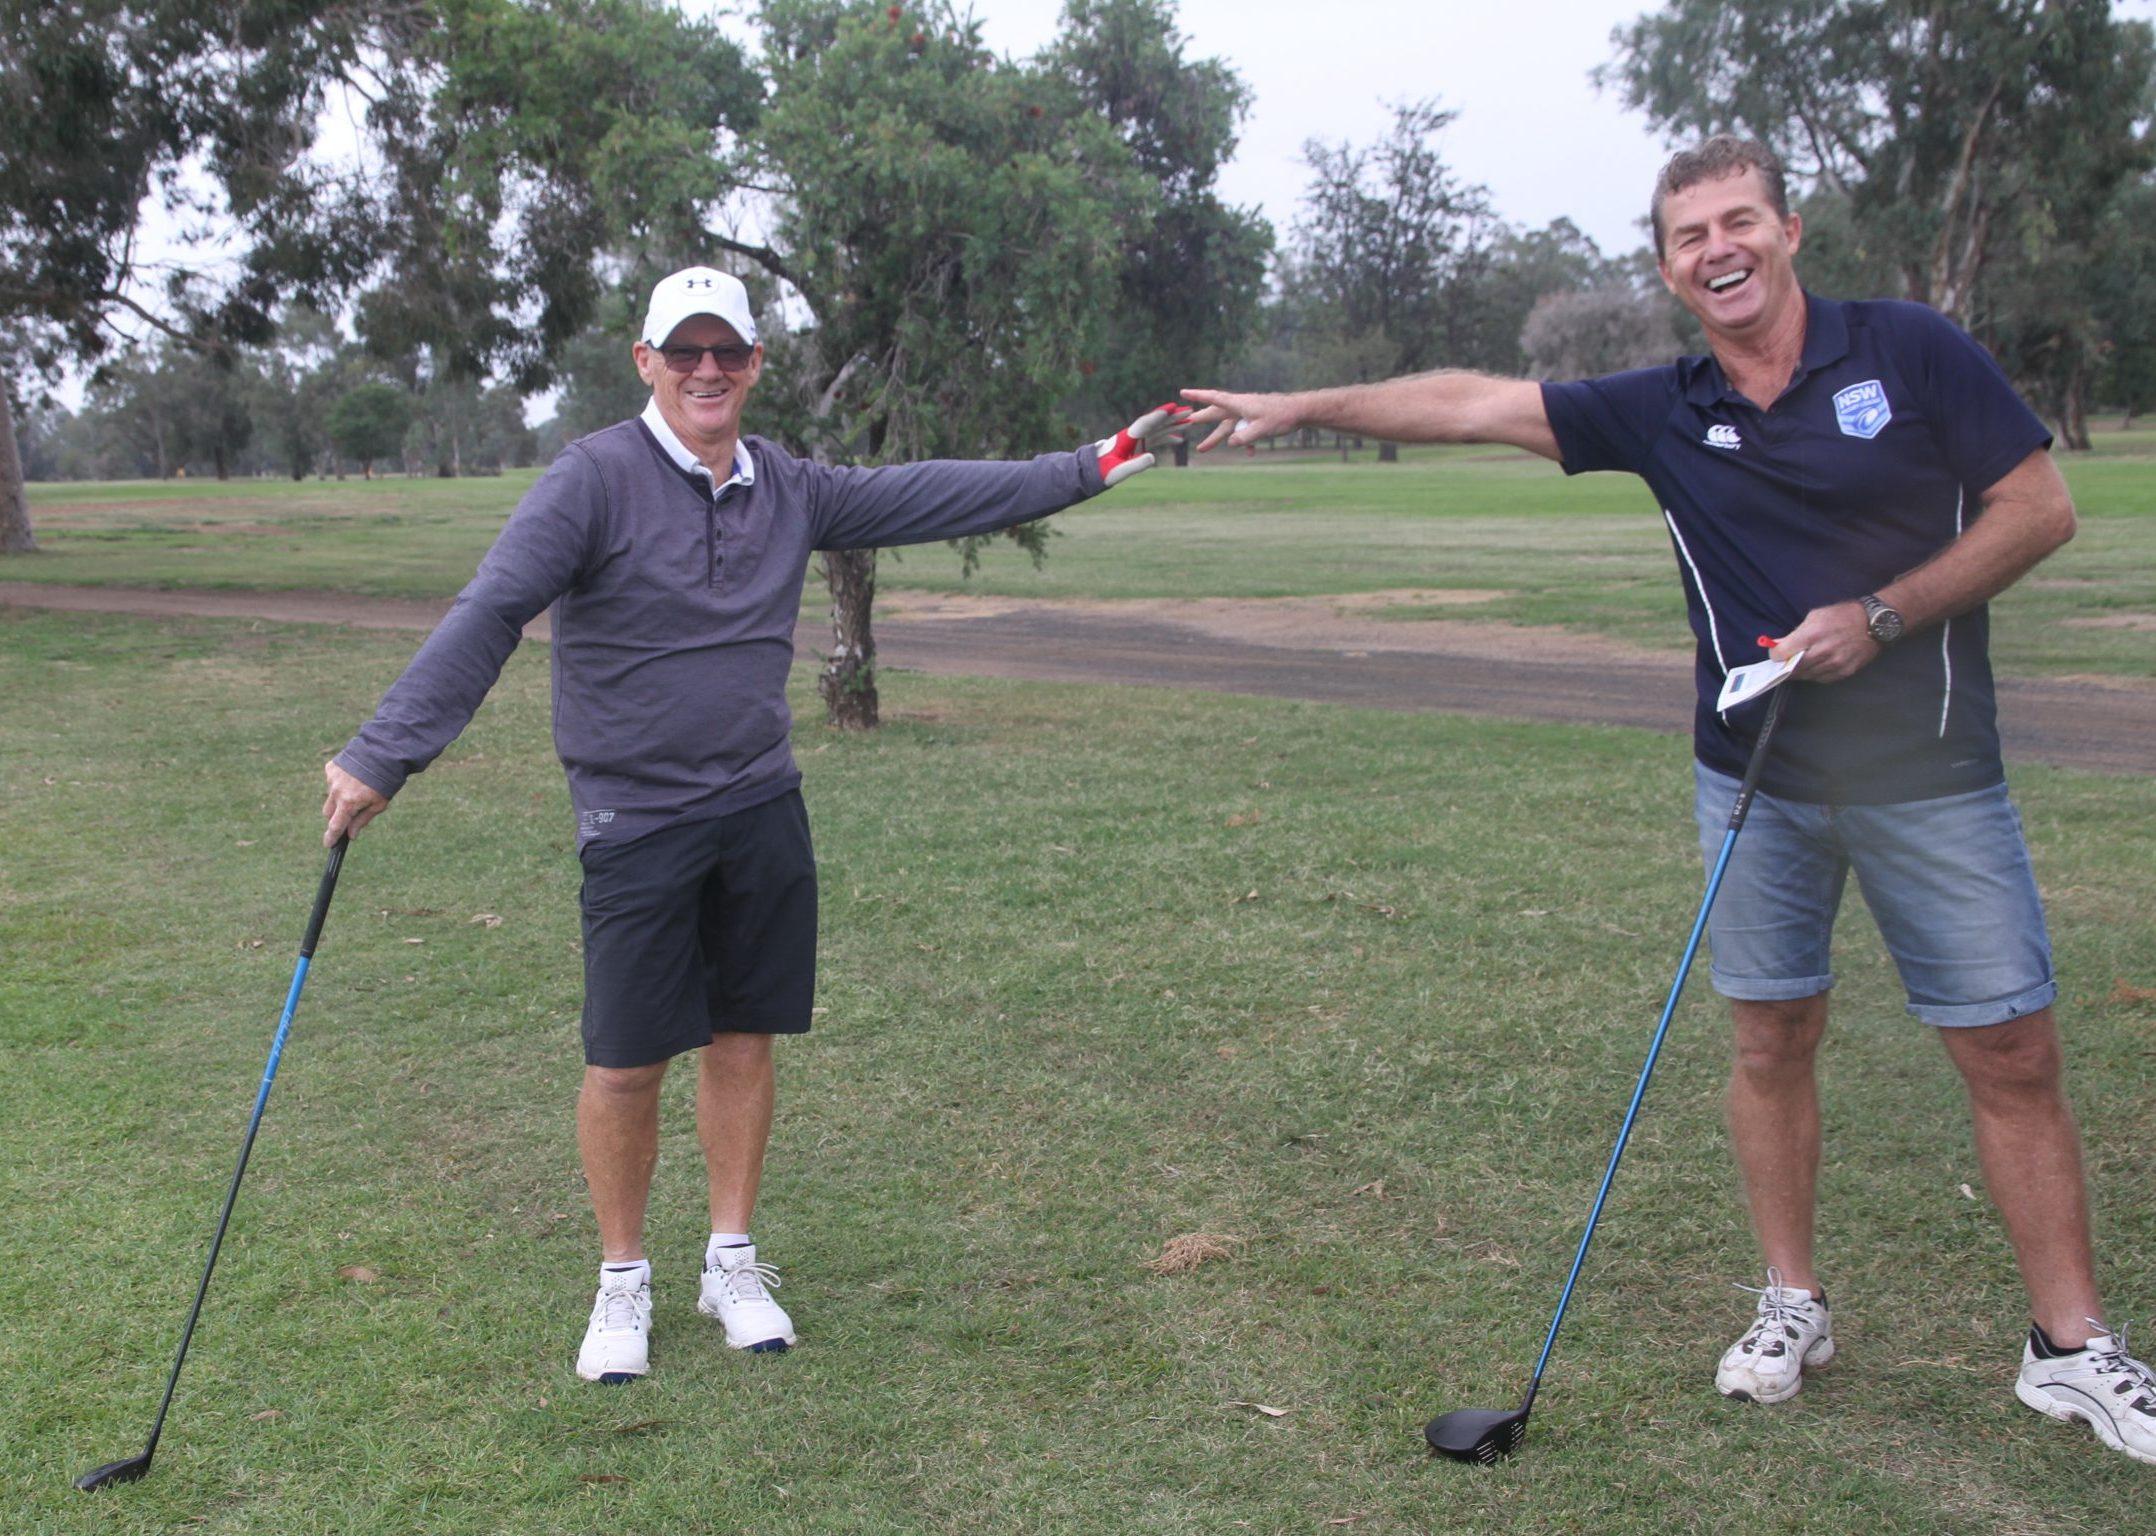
[{"x": 1721, "y": 435}]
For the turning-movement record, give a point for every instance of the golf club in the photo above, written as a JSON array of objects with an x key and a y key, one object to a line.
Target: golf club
[
  {"x": 1484, "y": 1434},
  {"x": 129, "y": 1468}
]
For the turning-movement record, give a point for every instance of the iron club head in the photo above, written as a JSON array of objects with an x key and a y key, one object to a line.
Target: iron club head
[
  {"x": 123, "y": 1471},
  {"x": 1477, "y": 1434}
]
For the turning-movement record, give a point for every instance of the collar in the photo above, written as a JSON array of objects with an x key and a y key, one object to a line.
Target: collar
[
  {"x": 687, "y": 462},
  {"x": 1826, "y": 342}
]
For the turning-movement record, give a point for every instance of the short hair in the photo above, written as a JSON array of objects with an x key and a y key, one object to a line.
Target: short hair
[{"x": 1723, "y": 155}]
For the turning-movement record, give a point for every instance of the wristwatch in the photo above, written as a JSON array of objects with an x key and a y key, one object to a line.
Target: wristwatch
[{"x": 1883, "y": 623}]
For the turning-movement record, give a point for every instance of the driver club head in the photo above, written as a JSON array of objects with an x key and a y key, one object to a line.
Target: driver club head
[
  {"x": 123, "y": 1471},
  {"x": 1479, "y": 1435}
]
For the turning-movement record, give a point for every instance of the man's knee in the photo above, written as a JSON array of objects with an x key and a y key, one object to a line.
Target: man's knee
[
  {"x": 732, "y": 1051},
  {"x": 623, "y": 1085},
  {"x": 1775, "y": 1038},
  {"x": 2020, "y": 1057}
]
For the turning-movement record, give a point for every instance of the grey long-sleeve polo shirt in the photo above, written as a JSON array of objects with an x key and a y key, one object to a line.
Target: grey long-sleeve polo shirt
[{"x": 673, "y": 614}]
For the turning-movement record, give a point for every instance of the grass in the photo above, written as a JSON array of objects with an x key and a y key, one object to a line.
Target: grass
[
  {"x": 1587, "y": 554},
  {"x": 1361, "y": 992},
  {"x": 1359, "y": 995}
]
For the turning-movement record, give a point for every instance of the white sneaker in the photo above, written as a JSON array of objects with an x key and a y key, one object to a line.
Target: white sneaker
[
  {"x": 737, "y": 1291},
  {"x": 2101, "y": 1385},
  {"x": 1791, "y": 1332},
  {"x": 617, "y": 1345}
]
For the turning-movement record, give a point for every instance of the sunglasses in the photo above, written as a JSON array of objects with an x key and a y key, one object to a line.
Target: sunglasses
[{"x": 732, "y": 358}]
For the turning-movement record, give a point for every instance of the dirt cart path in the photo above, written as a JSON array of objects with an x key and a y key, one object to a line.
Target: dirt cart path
[{"x": 1323, "y": 649}]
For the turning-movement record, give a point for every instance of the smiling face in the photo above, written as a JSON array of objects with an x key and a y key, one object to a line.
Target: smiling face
[
  {"x": 1730, "y": 258},
  {"x": 703, "y": 406}
]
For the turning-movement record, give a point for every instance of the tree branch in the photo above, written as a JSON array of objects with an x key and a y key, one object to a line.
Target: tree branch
[{"x": 772, "y": 262}]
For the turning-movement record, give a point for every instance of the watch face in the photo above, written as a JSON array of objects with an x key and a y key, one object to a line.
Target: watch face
[{"x": 1885, "y": 625}]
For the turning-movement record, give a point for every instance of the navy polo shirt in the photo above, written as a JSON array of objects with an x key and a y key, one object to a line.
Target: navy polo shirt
[{"x": 1874, "y": 459}]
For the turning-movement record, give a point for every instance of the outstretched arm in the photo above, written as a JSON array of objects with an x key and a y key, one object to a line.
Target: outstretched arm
[
  {"x": 2026, "y": 516},
  {"x": 1444, "y": 407}
]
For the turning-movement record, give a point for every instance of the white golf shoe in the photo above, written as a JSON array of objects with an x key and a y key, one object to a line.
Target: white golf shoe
[
  {"x": 2101, "y": 1385},
  {"x": 1792, "y": 1331},
  {"x": 737, "y": 1291},
  {"x": 617, "y": 1344}
]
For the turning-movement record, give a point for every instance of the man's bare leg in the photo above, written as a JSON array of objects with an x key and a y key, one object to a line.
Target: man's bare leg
[
  {"x": 1774, "y": 1127},
  {"x": 2030, "y": 1152},
  {"x": 736, "y": 1087},
  {"x": 617, "y": 1132}
]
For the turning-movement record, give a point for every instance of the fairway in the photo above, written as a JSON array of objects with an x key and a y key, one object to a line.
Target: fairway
[
  {"x": 1357, "y": 996},
  {"x": 1586, "y": 556}
]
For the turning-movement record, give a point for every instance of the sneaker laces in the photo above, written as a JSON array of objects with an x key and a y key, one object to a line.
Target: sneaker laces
[
  {"x": 2112, "y": 1359},
  {"x": 1776, "y": 1312},
  {"x": 617, "y": 1309},
  {"x": 747, "y": 1282}
]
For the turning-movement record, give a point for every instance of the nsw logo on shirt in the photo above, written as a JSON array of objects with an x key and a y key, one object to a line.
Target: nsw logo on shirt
[
  {"x": 1722, "y": 435},
  {"x": 1861, "y": 410}
]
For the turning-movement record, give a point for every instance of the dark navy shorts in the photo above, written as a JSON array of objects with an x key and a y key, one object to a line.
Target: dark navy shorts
[
  {"x": 1948, "y": 881},
  {"x": 700, "y": 928}
]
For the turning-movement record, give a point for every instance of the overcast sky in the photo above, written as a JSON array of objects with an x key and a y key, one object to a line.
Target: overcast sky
[{"x": 1531, "y": 127}]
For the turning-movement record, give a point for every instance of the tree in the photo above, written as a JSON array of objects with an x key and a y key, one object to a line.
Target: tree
[
  {"x": 1192, "y": 268},
  {"x": 954, "y": 244},
  {"x": 212, "y": 396},
  {"x": 369, "y": 423},
  {"x": 1954, "y": 131},
  {"x": 466, "y": 429},
  {"x": 533, "y": 140},
  {"x": 1386, "y": 234},
  {"x": 138, "y": 410},
  {"x": 208, "y": 106},
  {"x": 599, "y": 381},
  {"x": 1520, "y": 269},
  {"x": 1604, "y": 329},
  {"x": 301, "y": 373},
  {"x": 2123, "y": 292},
  {"x": 506, "y": 143}
]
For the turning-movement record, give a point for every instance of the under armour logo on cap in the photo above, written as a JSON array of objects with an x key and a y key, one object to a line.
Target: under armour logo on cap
[{"x": 698, "y": 291}]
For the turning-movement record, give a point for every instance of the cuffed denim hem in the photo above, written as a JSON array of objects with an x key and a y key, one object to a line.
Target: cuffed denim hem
[
  {"x": 1979, "y": 1015},
  {"x": 1768, "y": 989}
]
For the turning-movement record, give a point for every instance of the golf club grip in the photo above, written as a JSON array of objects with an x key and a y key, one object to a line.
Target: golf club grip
[
  {"x": 1758, "y": 763},
  {"x": 321, "y": 899}
]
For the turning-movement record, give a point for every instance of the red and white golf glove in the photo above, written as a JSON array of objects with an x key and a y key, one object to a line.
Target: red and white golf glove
[{"x": 1132, "y": 449}]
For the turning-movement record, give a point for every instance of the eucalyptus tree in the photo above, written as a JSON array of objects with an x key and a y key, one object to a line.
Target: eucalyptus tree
[
  {"x": 461, "y": 162},
  {"x": 1387, "y": 234},
  {"x": 1961, "y": 140},
  {"x": 953, "y": 243},
  {"x": 1192, "y": 269}
]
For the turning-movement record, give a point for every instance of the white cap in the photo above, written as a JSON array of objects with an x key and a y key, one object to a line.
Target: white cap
[{"x": 697, "y": 291}]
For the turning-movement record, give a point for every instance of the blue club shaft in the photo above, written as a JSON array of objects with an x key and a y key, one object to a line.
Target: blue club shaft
[
  {"x": 1737, "y": 814},
  {"x": 254, "y": 1124}
]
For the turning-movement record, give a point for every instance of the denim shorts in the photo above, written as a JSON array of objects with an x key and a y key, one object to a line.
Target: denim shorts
[{"x": 1948, "y": 881}]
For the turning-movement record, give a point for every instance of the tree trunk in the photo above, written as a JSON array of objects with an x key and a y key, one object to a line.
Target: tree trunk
[
  {"x": 848, "y": 683},
  {"x": 1388, "y": 453},
  {"x": 15, "y": 535},
  {"x": 2074, "y": 418}
]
